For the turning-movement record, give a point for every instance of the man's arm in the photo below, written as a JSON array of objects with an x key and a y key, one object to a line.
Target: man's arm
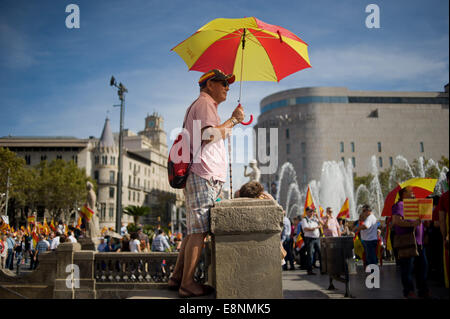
[
  {"x": 212, "y": 134},
  {"x": 397, "y": 220}
]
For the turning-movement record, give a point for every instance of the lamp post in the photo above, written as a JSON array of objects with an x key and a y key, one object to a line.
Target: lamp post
[{"x": 121, "y": 90}]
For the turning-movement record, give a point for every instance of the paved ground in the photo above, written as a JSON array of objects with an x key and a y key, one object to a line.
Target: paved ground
[{"x": 297, "y": 284}]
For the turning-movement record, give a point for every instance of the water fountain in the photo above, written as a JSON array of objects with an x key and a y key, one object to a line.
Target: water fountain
[{"x": 336, "y": 184}]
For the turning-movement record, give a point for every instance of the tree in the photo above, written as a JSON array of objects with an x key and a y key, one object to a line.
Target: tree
[{"x": 137, "y": 212}]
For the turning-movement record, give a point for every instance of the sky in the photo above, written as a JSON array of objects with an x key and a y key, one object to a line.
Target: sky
[{"x": 54, "y": 81}]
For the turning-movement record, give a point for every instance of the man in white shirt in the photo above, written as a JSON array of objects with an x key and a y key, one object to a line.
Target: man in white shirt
[
  {"x": 311, "y": 224},
  {"x": 55, "y": 241},
  {"x": 369, "y": 235},
  {"x": 71, "y": 237}
]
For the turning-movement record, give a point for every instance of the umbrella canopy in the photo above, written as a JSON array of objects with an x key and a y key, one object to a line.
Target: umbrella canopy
[
  {"x": 422, "y": 187},
  {"x": 271, "y": 52}
]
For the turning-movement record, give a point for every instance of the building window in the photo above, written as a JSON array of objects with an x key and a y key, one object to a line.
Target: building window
[
  {"x": 96, "y": 160},
  {"x": 111, "y": 211},
  {"x": 287, "y": 133},
  {"x": 268, "y": 149},
  {"x": 59, "y": 157},
  {"x": 134, "y": 196},
  {"x": 138, "y": 196},
  {"x": 303, "y": 147},
  {"x": 130, "y": 166},
  {"x": 380, "y": 161},
  {"x": 343, "y": 159},
  {"x": 353, "y": 162},
  {"x": 342, "y": 147},
  {"x": 421, "y": 147},
  {"x": 111, "y": 176},
  {"x": 96, "y": 176},
  {"x": 139, "y": 182},
  {"x": 28, "y": 159},
  {"x": 305, "y": 180},
  {"x": 111, "y": 192},
  {"x": 75, "y": 159},
  {"x": 352, "y": 144},
  {"x": 129, "y": 195},
  {"x": 102, "y": 210},
  {"x": 288, "y": 148},
  {"x": 43, "y": 157},
  {"x": 113, "y": 160},
  {"x": 391, "y": 162},
  {"x": 379, "y": 147},
  {"x": 304, "y": 162}
]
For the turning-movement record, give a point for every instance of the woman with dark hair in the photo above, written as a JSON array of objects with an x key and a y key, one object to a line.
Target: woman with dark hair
[{"x": 253, "y": 189}]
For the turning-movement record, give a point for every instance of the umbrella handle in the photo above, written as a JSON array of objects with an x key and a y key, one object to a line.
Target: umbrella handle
[{"x": 249, "y": 121}]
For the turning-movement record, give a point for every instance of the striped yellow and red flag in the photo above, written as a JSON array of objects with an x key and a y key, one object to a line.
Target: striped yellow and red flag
[
  {"x": 52, "y": 225},
  {"x": 321, "y": 211},
  {"x": 79, "y": 222},
  {"x": 299, "y": 241},
  {"x": 308, "y": 202},
  {"x": 388, "y": 234},
  {"x": 3, "y": 225},
  {"x": 31, "y": 219},
  {"x": 35, "y": 237},
  {"x": 46, "y": 227},
  {"x": 86, "y": 212},
  {"x": 28, "y": 230},
  {"x": 344, "y": 213},
  {"x": 104, "y": 230}
]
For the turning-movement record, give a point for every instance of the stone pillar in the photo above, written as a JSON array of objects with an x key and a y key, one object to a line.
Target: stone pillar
[
  {"x": 85, "y": 262},
  {"x": 64, "y": 254},
  {"x": 246, "y": 257}
]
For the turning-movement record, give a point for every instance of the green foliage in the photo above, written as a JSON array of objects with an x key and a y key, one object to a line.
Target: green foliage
[
  {"x": 59, "y": 186},
  {"x": 137, "y": 212}
]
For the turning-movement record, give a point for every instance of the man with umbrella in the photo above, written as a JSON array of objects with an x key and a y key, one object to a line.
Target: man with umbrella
[{"x": 207, "y": 175}]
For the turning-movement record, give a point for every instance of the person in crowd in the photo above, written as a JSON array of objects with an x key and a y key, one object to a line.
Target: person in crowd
[
  {"x": 134, "y": 243},
  {"x": 411, "y": 265},
  {"x": 71, "y": 237},
  {"x": 125, "y": 243},
  {"x": 369, "y": 234},
  {"x": 143, "y": 237},
  {"x": 19, "y": 249},
  {"x": 311, "y": 225},
  {"x": 444, "y": 222},
  {"x": 41, "y": 247},
  {"x": 253, "y": 189},
  {"x": 102, "y": 247},
  {"x": 3, "y": 251},
  {"x": 123, "y": 230},
  {"x": 287, "y": 242},
  {"x": 331, "y": 226},
  {"x": 160, "y": 242},
  {"x": 10, "y": 254},
  {"x": 56, "y": 240},
  {"x": 343, "y": 227}
]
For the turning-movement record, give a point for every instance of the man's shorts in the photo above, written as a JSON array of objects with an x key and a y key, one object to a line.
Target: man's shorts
[{"x": 200, "y": 195}]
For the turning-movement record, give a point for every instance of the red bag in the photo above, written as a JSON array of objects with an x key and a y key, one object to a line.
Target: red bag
[{"x": 179, "y": 164}]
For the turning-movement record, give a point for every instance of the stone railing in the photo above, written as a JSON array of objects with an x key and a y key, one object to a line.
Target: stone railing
[{"x": 241, "y": 261}]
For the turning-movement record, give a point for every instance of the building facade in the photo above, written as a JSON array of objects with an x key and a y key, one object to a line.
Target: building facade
[
  {"x": 144, "y": 168},
  {"x": 319, "y": 124}
]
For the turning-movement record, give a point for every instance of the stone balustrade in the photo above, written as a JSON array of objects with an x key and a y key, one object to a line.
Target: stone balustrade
[{"x": 242, "y": 260}]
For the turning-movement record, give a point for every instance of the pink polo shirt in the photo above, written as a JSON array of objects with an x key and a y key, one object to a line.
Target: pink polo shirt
[{"x": 211, "y": 162}]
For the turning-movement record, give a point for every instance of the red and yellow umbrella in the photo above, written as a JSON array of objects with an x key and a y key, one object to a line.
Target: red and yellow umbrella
[
  {"x": 422, "y": 187},
  {"x": 271, "y": 52}
]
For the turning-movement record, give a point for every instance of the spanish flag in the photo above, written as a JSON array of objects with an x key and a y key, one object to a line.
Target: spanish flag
[
  {"x": 104, "y": 230},
  {"x": 66, "y": 229},
  {"x": 78, "y": 226},
  {"x": 345, "y": 210},
  {"x": 35, "y": 237},
  {"x": 308, "y": 202},
  {"x": 388, "y": 235},
  {"x": 86, "y": 212},
  {"x": 46, "y": 228},
  {"x": 3, "y": 225},
  {"x": 299, "y": 241},
  {"x": 52, "y": 225},
  {"x": 31, "y": 219},
  {"x": 321, "y": 211}
]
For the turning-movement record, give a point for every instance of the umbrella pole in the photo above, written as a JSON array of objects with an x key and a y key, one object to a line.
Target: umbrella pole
[{"x": 239, "y": 102}]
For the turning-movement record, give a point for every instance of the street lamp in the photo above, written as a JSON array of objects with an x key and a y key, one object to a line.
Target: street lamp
[{"x": 121, "y": 90}]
